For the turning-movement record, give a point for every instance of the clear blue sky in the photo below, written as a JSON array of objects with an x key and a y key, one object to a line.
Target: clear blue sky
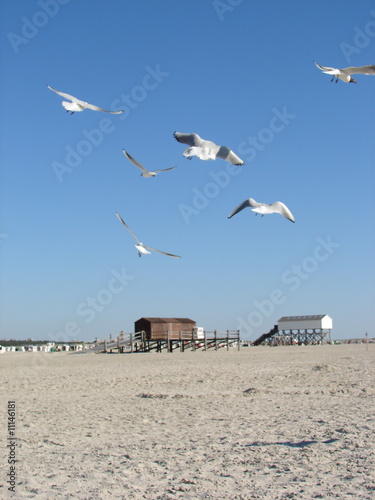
[{"x": 238, "y": 73}]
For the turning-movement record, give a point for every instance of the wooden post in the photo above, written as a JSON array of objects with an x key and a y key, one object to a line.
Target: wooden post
[
  {"x": 145, "y": 343},
  {"x": 227, "y": 340},
  {"x": 131, "y": 343},
  {"x": 215, "y": 340},
  {"x": 181, "y": 342},
  {"x": 105, "y": 346},
  {"x": 238, "y": 340},
  {"x": 205, "y": 340}
]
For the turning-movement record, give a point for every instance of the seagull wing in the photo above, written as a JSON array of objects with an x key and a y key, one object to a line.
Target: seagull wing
[
  {"x": 234, "y": 159},
  {"x": 135, "y": 162},
  {"x": 328, "y": 70},
  {"x": 164, "y": 253},
  {"x": 364, "y": 70},
  {"x": 66, "y": 96},
  {"x": 190, "y": 139},
  {"x": 128, "y": 228},
  {"x": 250, "y": 202},
  {"x": 282, "y": 209},
  {"x": 164, "y": 169},
  {"x": 96, "y": 108},
  {"x": 228, "y": 155}
]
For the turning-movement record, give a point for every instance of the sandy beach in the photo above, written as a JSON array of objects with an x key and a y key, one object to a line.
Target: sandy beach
[{"x": 263, "y": 423}]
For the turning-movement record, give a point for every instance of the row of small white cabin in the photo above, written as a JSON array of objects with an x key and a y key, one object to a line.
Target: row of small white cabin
[
  {"x": 26, "y": 348},
  {"x": 49, "y": 347}
]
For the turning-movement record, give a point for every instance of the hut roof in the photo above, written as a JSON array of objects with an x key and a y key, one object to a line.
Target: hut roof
[
  {"x": 302, "y": 318},
  {"x": 169, "y": 320}
]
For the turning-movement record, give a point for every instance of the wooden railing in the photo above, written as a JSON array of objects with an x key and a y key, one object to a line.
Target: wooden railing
[{"x": 138, "y": 342}]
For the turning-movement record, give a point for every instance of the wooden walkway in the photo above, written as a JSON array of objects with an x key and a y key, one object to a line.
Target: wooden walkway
[{"x": 137, "y": 342}]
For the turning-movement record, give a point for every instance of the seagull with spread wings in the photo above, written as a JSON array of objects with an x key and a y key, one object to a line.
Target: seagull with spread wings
[
  {"x": 145, "y": 173},
  {"x": 206, "y": 150},
  {"x": 143, "y": 249},
  {"x": 78, "y": 105},
  {"x": 345, "y": 74},
  {"x": 264, "y": 208}
]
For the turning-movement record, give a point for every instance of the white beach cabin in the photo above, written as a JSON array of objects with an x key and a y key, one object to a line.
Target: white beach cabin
[
  {"x": 312, "y": 322},
  {"x": 312, "y": 329}
]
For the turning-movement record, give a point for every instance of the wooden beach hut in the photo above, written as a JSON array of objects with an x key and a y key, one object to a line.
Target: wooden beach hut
[{"x": 164, "y": 328}]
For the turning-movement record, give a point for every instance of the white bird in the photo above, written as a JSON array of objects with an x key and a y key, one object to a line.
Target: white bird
[
  {"x": 263, "y": 208},
  {"x": 145, "y": 173},
  {"x": 78, "y": 105},
  {"x": 344, "y": 74},
  {"x": 143, "y": 249},
  {"x": 206, "y": 150}
]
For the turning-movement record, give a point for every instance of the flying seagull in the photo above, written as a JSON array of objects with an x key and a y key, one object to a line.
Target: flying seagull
[
  {"x": 145, "y": 173},
  {"x": 345, "y": 74},
  {"x": 263, "y": 208},
  {"x": 206, "y": 150},
  {"x": 78, "y": 105},
  {"x": 143, "y": 249}
]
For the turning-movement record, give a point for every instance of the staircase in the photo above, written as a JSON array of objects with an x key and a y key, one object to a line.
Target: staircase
[{"x": 265, "y": 336}]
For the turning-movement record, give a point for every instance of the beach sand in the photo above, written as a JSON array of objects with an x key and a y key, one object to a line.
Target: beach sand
[{"x": 274, "y": 423}]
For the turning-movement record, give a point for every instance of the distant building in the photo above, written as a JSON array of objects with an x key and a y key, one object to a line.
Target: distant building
[
  {"x": 312, "y": 322},
  {"x": 312, "y": 329}
]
